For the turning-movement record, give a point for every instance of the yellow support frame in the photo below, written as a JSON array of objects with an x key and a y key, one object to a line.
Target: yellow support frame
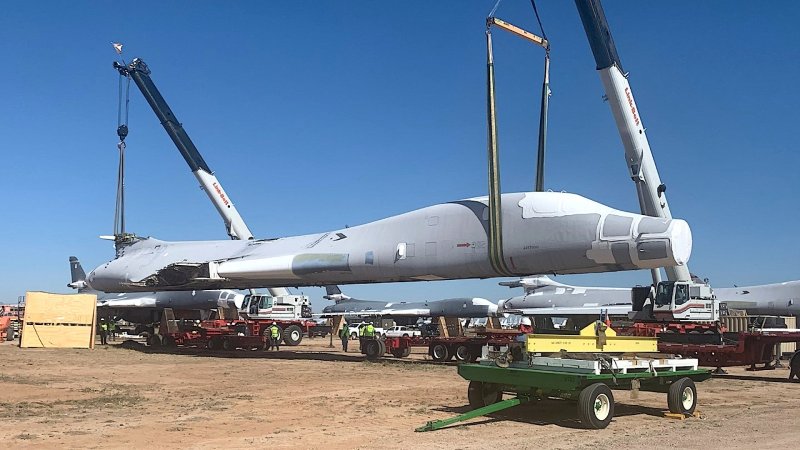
[{"x": 596, "y": 337}]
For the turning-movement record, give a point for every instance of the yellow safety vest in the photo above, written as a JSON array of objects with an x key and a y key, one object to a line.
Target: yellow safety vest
[
  {"x": 273, "y": 331},
  {"x": 369, "y": 330}
]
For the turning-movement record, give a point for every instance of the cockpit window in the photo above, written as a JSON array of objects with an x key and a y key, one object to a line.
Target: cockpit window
[{"x": 664, "y": 294}]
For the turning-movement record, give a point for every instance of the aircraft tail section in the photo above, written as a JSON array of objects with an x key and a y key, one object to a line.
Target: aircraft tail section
[
  {"x": 332, "y": 292},
  {"x": 77, "y": 273}
]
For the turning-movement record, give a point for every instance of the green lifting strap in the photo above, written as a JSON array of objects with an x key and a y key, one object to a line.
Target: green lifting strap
[{"x": 495, "y": 206}]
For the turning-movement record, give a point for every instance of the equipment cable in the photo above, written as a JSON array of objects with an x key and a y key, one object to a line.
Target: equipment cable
[{"x": 122, "y": 133}]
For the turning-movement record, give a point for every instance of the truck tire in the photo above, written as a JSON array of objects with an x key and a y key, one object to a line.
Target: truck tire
[
  {"x": 168, "y": 341},
  {"x": 462, "y": 353},
  {"x": 482, "y": 394},
  {"x": 682, "y": 397},
  {"x": 292, "y": 335},
  {"x": 154, "y": 340},
  {"x": 372, "y": 348},
  {"x": 794, "y": 365},
  {"x": 227, "y": 345},
  {"x": 596, "y": 406},
  {"x": 353, "y": 336},
  {"x": 474, "y": 353},
  {"x": 213, "y": 344},
  {"x": 440, "y": 352}
]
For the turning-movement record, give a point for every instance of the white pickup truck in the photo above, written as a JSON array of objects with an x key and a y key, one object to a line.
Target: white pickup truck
[
  {"x": 402, "y": 331},
  {"x": 355, "y": 330}
]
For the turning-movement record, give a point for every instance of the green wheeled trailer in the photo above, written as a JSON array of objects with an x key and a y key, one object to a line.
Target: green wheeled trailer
[{"x": 593, "y": 391}]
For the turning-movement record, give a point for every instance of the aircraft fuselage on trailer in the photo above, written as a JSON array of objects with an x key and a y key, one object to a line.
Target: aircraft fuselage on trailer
[
  {"x": 547, "y": 297},
  {"x": 451, "y": 307},
  {"x": 542, "y": 232}
]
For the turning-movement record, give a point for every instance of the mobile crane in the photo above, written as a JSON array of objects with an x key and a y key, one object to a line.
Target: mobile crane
[
  {"x": 680, "y": 298},
  {"x": 288, "y": 310}
]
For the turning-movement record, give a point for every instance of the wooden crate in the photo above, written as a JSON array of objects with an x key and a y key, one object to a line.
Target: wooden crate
[{"x": 59, "y": 320}]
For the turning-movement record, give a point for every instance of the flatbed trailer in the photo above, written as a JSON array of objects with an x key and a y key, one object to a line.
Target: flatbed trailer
[
  {"x": 745, "y": 348},
  {"x": 442, "y": 349},
  {"x": 591, "y": 389}
]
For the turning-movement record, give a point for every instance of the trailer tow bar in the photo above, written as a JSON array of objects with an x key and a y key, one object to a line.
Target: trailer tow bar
[{"x": 489, "y": 409}]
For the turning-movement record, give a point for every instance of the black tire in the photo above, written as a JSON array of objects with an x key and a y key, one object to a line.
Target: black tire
[
  {"x": 382, "y": 345},
  {"x": 292, "y": 335},
  {"x": 682, "y": 397},
  {"x": 405, "y": 334},
  {"x": 440, "y": 352},
  {"x": 227, "y": 345},
  {"x": 406, "y": 352},
  {"x": 482, "y": 394},
  {"x": 596, "y": 406},
  {"x": 154, "y": 340},
  {"x": 353, "y": 336},
  {"x": 474, "y": 354},
  {"x": 213, "y": 344},
  {"x": 462, "y": 353},
  {"x": 372, "y": 348},
  {"x": 169, "y": 341}
]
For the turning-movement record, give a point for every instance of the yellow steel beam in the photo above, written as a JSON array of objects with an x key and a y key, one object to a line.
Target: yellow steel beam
[
  {"x": 513, "y": 29},
  {"x": 590, "y": 341}
]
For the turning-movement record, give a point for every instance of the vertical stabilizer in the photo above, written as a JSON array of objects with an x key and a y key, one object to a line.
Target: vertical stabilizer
[{"x": 77, "y": 273}]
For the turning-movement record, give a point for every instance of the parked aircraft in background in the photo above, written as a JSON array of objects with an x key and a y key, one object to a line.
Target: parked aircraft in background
[
  {"x": 453, "y": 307},
  {"x": 543, "y": 232},
  {"x": 147, "y": 307},
  {"x": 543, "y": 296}
]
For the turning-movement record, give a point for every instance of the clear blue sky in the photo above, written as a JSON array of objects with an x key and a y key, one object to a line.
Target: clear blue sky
[{"x": 319, "y": 114}]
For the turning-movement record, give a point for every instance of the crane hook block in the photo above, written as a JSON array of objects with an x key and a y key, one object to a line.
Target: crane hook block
[{"x": 122, "y": 131}]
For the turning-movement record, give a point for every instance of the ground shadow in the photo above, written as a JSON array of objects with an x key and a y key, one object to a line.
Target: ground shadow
[
  {"x": 756, "y": 378},
  {"x": 284, "y": 354},
  {"x": 562, "y": 413}
]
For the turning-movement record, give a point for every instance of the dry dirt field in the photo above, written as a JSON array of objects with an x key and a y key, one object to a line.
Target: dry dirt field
[{"x": 315, "y": 397}]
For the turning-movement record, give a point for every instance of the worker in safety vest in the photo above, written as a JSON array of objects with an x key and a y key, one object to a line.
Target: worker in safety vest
[
  {"x": 112, "y": 330},
  {"x": 344, "y": 335},
  {"x": 274, "y": 337},
  {"x": 103, "y": 332}
]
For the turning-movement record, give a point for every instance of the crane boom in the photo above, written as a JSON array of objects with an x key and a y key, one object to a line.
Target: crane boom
[
  {"x": 234, "y": 223},
  {"x": 638, "y": 156}
]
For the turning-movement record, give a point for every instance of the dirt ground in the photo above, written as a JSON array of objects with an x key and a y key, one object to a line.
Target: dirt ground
[{"x": 315, "y": 397}]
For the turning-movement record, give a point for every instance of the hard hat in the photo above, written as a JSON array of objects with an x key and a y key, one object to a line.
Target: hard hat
[{"x": 525, "y": 321}]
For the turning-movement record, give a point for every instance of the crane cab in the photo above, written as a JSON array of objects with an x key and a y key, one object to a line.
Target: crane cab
[
  {"x": 684, "y": 301},
  {"x": 286, "y": 307}
]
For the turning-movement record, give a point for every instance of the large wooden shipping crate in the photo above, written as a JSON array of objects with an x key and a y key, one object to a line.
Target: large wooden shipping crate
[{"x": 59, "y": 320}]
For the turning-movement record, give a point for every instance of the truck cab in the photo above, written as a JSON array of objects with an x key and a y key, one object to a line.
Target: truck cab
[
  {"x": 283, "y": 307},
  {"x": 684, "y": 300}
]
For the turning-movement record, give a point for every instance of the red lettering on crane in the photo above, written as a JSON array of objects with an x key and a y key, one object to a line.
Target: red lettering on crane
[
  {"x": 221, "y": 194},
  {"x": 630, "y": 103}
]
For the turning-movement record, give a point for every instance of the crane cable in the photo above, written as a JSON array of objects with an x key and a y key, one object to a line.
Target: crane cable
[{"x": 122, "y": 132}]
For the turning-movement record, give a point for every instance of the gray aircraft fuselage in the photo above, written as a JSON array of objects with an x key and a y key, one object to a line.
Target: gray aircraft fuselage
[
  {"x": 543, "y": 232},
  {"x": 452, "y": 307},
  {"x": 146, "y": 307},
  {"x": 768, "y": 299}
]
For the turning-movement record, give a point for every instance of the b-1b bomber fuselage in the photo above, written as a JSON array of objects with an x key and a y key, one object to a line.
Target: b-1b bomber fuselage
[{"x": 542, "y": 232}]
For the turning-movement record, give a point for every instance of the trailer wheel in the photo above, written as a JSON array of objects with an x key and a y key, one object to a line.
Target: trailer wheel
[
  {"x": 794, "y": 365},
  {"x": 227, "y": 345},
  {"x": 440, "y": 352},
  {"x": 474, "y": 354},
  {"x": 213, "y": 344},
  {"x": 407, "y": 351},
  {"x": 682, "y": 396},
  {"x": 462, "y": 353},
  {"x": 292, "y": 335},
  {"x": 372, "y": 348},
  {"x": 169, "y": 341},
  {"x": 596, "y": 406},
  {"x": 154, "y": 340},
  {"x": 482, "y": 394}
]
